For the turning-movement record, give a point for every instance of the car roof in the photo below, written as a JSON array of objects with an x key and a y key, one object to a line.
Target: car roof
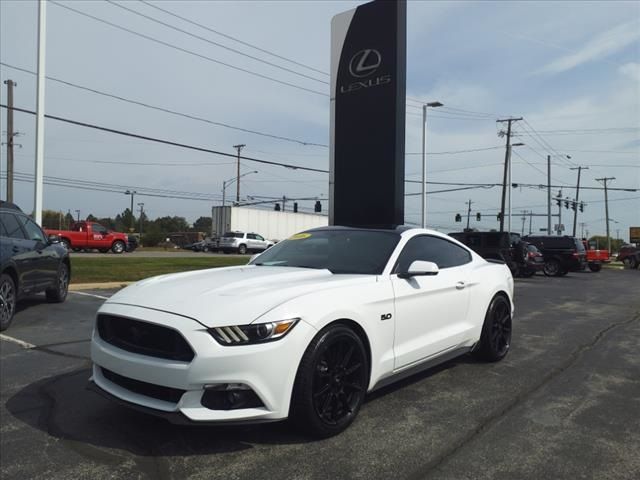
[
  {"x": 9, "y": 206},
  {"x": 400, "y": 229}
]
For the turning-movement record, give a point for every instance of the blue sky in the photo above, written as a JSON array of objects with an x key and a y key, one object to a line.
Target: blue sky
[{"x": 571, "y": 69}]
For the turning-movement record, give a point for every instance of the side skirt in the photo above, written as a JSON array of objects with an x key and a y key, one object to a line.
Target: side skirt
[{"x": 427, "y": 364}]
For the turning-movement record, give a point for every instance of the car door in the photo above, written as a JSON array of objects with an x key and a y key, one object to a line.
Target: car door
[
  {"x": 45, "y": 258},
  {"x": 431, "y": 311},
  {"x": 22, "y": 253},
  {"x": 99, "y": 237},
  {"x": 261, "y": 243}
]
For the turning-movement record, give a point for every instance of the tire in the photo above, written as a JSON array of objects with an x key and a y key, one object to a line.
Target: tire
[
  {"x": 118, "y": 246},
  {"x": 495, "y": 339},
  {"x": 552, "y": 268},
  {"x": 8, "y": 299},
  {"x": 629, "y": 262},
  {"x": 595, "y": 267},
  {"x": 242, "y": 249},
  {"x": 58, "y": 294},
  {"x": 205, "y": 249},
  {"x": 67, "y": 244},
  {"x": 331, "y": 383}
]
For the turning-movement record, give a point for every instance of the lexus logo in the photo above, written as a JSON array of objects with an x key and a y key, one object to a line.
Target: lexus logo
[{"x": 365, "y": 63}]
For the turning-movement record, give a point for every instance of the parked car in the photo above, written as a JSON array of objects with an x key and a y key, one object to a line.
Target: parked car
[
  {"x": 241, "y": 242},
  {"x": 562, "y": 254},
  {"x": 501, "y": 246},
  {"x": 629, "y": 255},
  {"x": 534, "y": 261},
  {"x": 91, "y": 235},
  {"x": 303, "y": 331},
  {"x": 29, "y": 262},
  {"x": 595, "y": 257}
]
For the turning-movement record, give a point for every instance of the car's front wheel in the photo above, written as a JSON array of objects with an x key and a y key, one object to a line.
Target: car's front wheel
[
  {"x": 552, "y": 268},
  {"x": 331, "y": 382},
  {"x": 58, "y": 293},
  {"x": 118, "y": 246},
  {"x": 8, "y": 298},
  {"x": 242, "y": 249},
  {"x": 495, "y": 339}
]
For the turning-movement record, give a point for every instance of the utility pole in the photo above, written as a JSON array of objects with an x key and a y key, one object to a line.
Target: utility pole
[
  {"x": 424, "y": 159},
  {"x": 575, "y": 205},
  {"x": 77, "y": 215},
  {"x": 582, "y": 225},
  {"x": 132, "y": 193},
  {"x": 10, "y": 134},
  {"x": 239, "y": 148},
  {"x": 530, "y": 220},
  {"x": 141, "y": 205},
  {"x": 606, "y": 208},
  {"x": 507, "y": 160},
  {"x": 524, "y": 221},
  {"x": 284, "y": 201},
  {"x": 560, "y": 212},
  {"x": 548, "y": 194},
  {"x": 468, "y": 212}
]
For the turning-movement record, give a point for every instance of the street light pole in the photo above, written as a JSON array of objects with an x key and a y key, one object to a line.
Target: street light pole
[
  {"x": 132, "y": 193},
  {"x": 510, "y": 187},
  {"x": 575, "y": 205},
  {"x": 424, "y": 159},
  {"x": 141, "y": 205}
]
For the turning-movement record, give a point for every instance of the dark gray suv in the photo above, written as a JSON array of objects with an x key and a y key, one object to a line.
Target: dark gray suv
[{"x": 29, "y": 262}]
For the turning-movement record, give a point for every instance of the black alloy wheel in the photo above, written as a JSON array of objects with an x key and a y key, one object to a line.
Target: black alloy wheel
[
  {"x": 495, "y": 339},
  {"x": 58, "y": 293},
  {"x": 331, "y": 383},
  {"x": 552, "y": 268},
  {"x": 118, "y": 246},
  {"x": 8, "y": 300}
]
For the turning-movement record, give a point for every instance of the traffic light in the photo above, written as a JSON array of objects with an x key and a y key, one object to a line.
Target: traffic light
[
  {"x": 317, "y": 207},
  {"x": 295, "y": 207},
  {"x": 573, "y": 205},
  {"x": 478, "y": 216},
  {"x": 458, "y": 217},
  {"x": 277, "y": 207},
  {"x": 582, "y": 206},
  {"x": 558, "y": 202},
  {"x": 566, "y": 204}
]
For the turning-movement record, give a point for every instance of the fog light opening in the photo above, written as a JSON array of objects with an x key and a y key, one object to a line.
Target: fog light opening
[{"x": 230, "y": 396}]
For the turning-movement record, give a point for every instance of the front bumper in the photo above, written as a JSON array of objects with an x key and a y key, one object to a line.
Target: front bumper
[{"x": 268, "y": 369}]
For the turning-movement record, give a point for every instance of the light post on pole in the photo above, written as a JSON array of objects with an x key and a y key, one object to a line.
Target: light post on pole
[
  {"x": 424, "y": 159},
  {"x": 239, "y": 149},
  {"x": 222, "y": 217},
  {"x": 141, "y": 205},
  {"x": 226, "y": 183},
  {"x": 77, "y": 215},
  {"x": 132, "y": 193},
  {"x": 520, "y": 144}
]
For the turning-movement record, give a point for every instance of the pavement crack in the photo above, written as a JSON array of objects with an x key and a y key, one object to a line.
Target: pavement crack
[
  {"x": 60, "y": 354},
  {"x": 492, "y": 419}
]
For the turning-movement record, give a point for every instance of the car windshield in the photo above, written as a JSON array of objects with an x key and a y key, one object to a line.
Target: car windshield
[
  {"x": 339, "y": 251},
  {"x": 532, "y": 248},
  {"x": 233, "y": 235}
]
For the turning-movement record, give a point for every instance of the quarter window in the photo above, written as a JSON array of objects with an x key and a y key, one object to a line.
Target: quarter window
[
  {"x": 11, "y": 226},
  {"x": 443, "y": 253}
]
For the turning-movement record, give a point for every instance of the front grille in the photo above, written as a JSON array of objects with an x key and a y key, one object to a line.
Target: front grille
[
  {"x": 167, "y": 394},
  {"x": 144, "y": 338}
]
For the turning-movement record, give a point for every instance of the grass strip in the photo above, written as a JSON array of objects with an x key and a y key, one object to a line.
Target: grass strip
[{"x": 90, "y": 270}]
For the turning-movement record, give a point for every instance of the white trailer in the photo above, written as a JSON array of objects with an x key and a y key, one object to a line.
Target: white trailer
[{"x": 271, "y": 224}]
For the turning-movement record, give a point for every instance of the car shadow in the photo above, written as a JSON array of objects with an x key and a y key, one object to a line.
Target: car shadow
[
  {"x": 62, "y": 406},
  {"x": 30, "y": 301}
]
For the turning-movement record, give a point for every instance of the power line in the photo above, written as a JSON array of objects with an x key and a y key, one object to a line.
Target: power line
[
  {"x": 167, "y": 142},
  {"x": 235, "y": 39},
  {"x": 168, "y": 110},
  {"x": 173, "y": 27},
  {"x": 190, "y": 52}
]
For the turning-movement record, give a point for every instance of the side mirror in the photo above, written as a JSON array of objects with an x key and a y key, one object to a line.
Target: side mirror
[
  {"x": 420, "y": 268},
  {"x": 54, "y": 239}
]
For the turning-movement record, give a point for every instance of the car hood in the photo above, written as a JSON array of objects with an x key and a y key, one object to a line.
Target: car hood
[{"x": 233, "y": 295}]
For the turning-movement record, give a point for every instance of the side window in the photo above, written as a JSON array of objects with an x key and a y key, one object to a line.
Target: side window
[
  {"x": 432, "y": 249},
  {"x": 11, "y": 225},
  {"x": 33, "y": 231},
  {"x": 99, "y": 229},
  {"x": 251, "y": 236},
  {"x": 258, "y": 237}
]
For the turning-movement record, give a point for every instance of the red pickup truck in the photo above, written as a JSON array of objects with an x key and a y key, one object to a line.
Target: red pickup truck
[
  {"x": 90, "y": 235},
  {"x": 595, "y": 256}
]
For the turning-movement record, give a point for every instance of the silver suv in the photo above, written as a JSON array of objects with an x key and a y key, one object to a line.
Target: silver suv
[{"x": 240, "y": 242}]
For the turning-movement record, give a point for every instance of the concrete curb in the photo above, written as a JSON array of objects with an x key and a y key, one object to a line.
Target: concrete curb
[{"x": 97, "y": 286}]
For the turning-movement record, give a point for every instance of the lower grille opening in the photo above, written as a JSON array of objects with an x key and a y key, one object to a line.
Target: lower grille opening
[{"x": 167, "y": 394}]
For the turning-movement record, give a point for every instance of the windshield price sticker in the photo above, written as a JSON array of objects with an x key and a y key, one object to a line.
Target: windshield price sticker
[{"x": 300, "y": 236}]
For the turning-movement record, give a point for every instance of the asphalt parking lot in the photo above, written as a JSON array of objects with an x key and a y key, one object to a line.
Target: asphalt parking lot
[{"x": 565, "y": 403}]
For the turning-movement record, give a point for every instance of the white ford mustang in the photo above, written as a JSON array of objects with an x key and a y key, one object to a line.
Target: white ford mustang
[{"x": 304, "y": 331}]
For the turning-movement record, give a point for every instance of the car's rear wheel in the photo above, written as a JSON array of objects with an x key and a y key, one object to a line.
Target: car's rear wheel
[
  {"x": 595, "y": 267},
  {"x": 629, "y": 262},
  {"x": 495, "y": 339},
  {"x": 118, "y": 246},
  {"x": 242, "y": 249},
  {"x": 552, "y": 268},
  {"x": 8, "y": 299},
  {"x": 58, "y": 293},
  {"x": 331, "y": 382},
  {"x": 66, "y": 243}
]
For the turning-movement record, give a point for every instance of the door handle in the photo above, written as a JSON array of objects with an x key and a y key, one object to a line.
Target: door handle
[{"x": 460, "y": 285}]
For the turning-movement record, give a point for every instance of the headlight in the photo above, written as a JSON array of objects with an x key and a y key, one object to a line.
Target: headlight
[{"x": 252, "y": 333}]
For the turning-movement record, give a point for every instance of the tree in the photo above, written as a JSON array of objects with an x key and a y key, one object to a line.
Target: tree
[
  {"x": 601, "y": 242},
  {"x": 91, "y": 218},
  {"x": 202, "y": 224},
  {"x": 53, "y": 220},
  {"x": 171, "y": 224}
]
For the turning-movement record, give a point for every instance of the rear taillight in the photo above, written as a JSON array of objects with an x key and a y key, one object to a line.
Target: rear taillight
[{"x": 576, "y": 255}]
